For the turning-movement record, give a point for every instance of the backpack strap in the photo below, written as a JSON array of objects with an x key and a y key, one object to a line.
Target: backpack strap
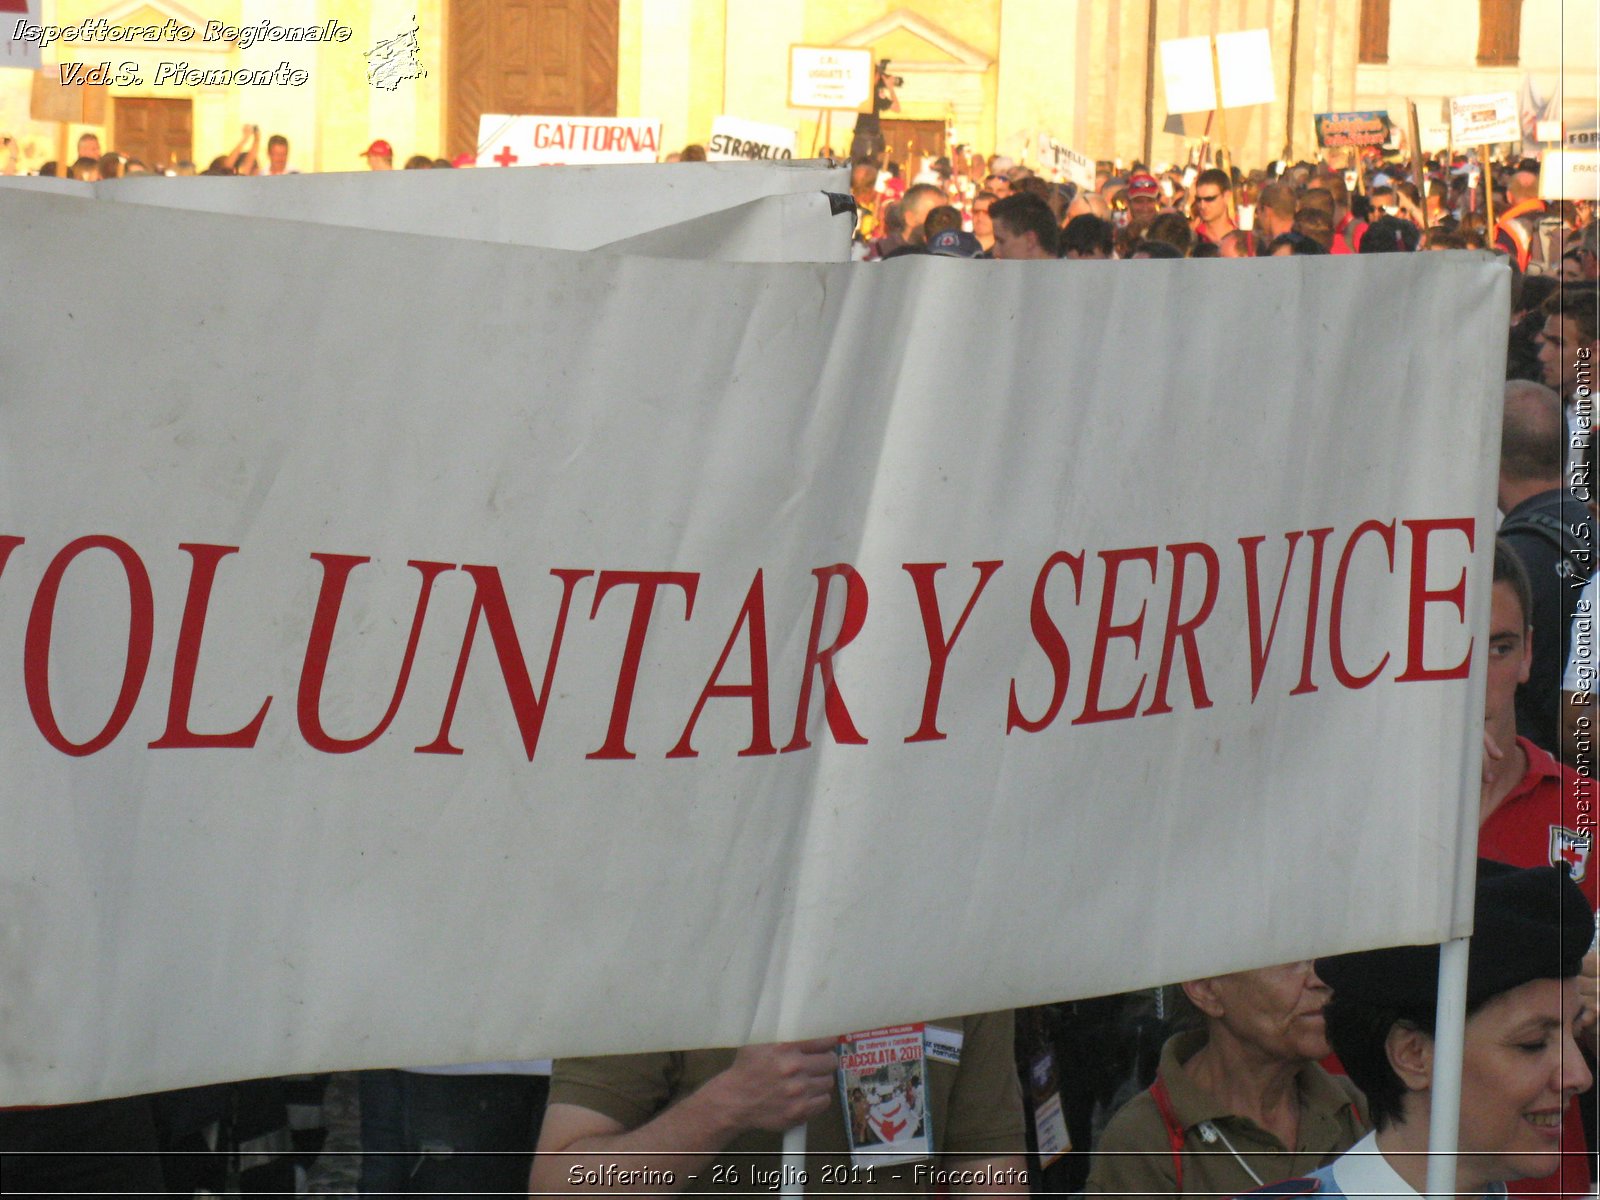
[{"x": 1575, "y": 547}]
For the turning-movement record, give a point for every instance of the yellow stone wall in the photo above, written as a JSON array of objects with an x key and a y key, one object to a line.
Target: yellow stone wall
[
  {"x": 328, "y": 120},
  {"x": 1009, "y": 70}
]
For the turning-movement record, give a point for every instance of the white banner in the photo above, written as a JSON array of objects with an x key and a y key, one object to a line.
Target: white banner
[
  {"x": 1482, "y": 120},
  {"x": 21, "y": 35},
  {"x": 564, "y": 208},
  {"x": 810, "y": 227},
  {"x": 449, "y": 651},
  {"x": 829, "y": 77},
  {"x": 1065, "y": 162},
  {"x": 733, "y": 138},
  {"x": 533, "y": 141}
]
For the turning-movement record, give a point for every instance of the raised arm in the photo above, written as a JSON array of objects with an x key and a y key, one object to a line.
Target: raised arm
[{"x": 771, "y": 1087}]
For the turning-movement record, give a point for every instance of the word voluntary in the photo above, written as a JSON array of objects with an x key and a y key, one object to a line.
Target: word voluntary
[{"x": 1135, "y": 669}]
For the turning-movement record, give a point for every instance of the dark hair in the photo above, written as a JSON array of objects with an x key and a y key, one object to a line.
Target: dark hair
[
  {"x": 1216, "y": 176},
  {"x": 1390, "y": 235},
  {"x": 693, "y": 152},
  {"x": 1298, "y": 244},
  {"x": 1358, "y": 1031},
  {"x": 1023, "y": 212},
  {"x": 1508, "y": 569},
  {"x": 277, "y": 139},
  {"x": 1173, "y": 229},
  {"x": 1087, "y": 234},
  {"x": 1575, "y": 302},
  {"x": 1315, "y": 224},
  {"x": 1155, "y": 248},
  {"x": 1205, "y": 250},
  {"x": 946, "y": 216},
  {"x": 419, "y": 162}
]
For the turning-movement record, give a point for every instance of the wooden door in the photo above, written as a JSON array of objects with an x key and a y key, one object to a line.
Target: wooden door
[
  {"x": 527, "y": 57},
  {"x": 909, "y": 142},
  {"x": 159, "y": 133}
]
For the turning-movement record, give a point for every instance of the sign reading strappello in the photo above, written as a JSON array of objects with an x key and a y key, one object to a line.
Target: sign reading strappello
[{"x": 883, "y": 1085}]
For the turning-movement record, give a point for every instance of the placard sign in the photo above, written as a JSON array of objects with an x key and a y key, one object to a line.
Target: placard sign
[
  {"x": 1570, "y": 175},
  {"x": 507, "y": 141},
  {"x": 1066, "y": 162},
  {"x": 1244, "y": 61},
  {"x": 1482, "y": 120},
  {"x": 18, "y": 46},
  {"x": 733, "y": 138},
  {"x": 1187, "y": 70},
  {"x": 1353, "y": 129},
  {"x": 829, "y": 77}
]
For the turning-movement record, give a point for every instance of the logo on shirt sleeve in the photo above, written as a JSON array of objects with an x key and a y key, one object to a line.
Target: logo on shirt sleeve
[{"x": 1572, "y": 848}]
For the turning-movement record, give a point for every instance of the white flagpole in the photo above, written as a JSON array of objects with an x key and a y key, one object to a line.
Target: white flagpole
[
  {"x": 1448, "y": 1039},
  {"x": 794, "y": 1163}
]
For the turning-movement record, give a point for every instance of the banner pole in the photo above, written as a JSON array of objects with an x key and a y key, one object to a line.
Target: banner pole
[
  {"x": 1449, "y": 1038},
  {"x": 1414, "y": 129},
  {"x": 1488, "y": 193},
  {"x": 794, "y": 1163},
  {"x": 1222, "y": 115}
]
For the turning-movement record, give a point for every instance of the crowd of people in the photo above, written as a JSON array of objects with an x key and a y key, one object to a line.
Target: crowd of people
[
  {"x": 969, "y": 207},
  {"x": 94, "y": 163},
  {"x": 1211, "y": 1086}
]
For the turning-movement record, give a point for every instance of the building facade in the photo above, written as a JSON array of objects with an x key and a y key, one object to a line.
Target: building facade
[{"x": 992, "y": 74}]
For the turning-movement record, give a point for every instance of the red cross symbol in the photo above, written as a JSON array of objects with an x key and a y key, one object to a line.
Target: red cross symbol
[
  {"x": 505, "y": 158},
  {"x": 1573, "y": 855}
]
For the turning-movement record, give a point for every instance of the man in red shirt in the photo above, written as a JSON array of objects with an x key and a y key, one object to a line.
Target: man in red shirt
[
  {"x": 1213, "y": 207},
  {"x": 1535, "y": 812}
]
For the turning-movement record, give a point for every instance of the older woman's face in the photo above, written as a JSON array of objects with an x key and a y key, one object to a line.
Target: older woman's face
[
  {"x": 1278, "y": 1010},
  {"x": 1520, "y": 1070}
]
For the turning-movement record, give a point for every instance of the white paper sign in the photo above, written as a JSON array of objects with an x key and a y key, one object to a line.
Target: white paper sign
[
  {"x": 21, "y": 36},
  {"x": 1187, "y": 69},
  {"x": 829, "y": 77},
  {"x": 1481, "y": 120},
  {"x": 733, "y": 139},
  {"x": 1434, "y": 135},
  {"x": 1065, "y": 162},
  {"x": 515, "y": 639},
  {"x": 1245, "y": 62},
  {"x": 506, "y": 141},
  {"x": 1570, "y": 175}
]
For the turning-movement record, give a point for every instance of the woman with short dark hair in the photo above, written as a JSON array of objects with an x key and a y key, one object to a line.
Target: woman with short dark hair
[{"x": 1520, "y": 1068}]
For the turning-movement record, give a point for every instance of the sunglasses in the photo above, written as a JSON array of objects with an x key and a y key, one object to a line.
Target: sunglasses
[{"x": 1208, "y": 199}]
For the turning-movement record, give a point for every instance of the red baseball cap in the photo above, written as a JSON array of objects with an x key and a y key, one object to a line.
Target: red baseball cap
[
  {"x": 465, "y": 160},
  {"x": 381, "y": 148},
  {"x": 1142, "y": 183}
]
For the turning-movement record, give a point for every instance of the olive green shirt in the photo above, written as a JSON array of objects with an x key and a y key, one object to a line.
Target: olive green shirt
[
  {"x": 1135, "y": 1155},
  {"x": 975, "y": 1107}
]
